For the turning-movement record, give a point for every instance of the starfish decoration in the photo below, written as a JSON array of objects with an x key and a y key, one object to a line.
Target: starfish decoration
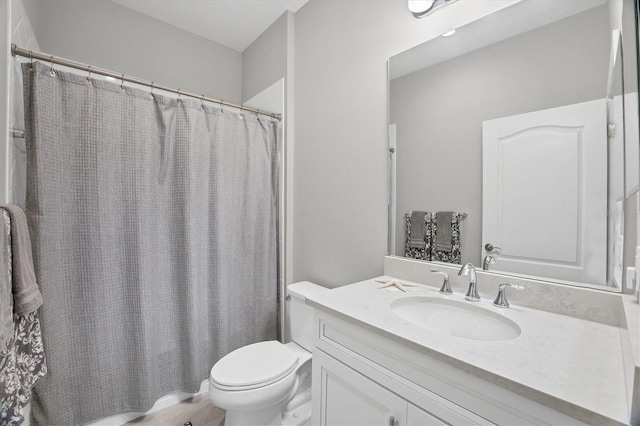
[{"x": 395, "y": 283}]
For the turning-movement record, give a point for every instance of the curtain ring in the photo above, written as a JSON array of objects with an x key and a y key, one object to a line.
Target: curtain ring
[
  {"x": 122, "y": 82},
  {"x": 202, "y": 101},
  {"x": 88, "y": 81},
  {"x": 52, "y": 72},
  {"x": 30, "y": 60},
  {"x": 179, "y": 100},
  {"x": 221, "y": 101},
  {"x": 151, "y": 94}
]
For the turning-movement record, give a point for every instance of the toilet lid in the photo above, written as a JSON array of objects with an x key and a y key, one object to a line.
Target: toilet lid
[{"x": 254, "y": 365}]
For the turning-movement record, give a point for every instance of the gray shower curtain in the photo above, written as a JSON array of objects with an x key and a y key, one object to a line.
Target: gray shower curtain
[{"x": 153, "y": 224}]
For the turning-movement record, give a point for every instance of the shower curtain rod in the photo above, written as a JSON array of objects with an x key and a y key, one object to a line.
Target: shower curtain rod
[{"x": 18, "y": 51}]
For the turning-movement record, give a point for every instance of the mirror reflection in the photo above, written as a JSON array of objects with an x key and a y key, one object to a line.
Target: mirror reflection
[{"x": 521, "y": 130}]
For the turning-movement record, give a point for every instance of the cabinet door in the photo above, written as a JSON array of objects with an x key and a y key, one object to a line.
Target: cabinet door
[{"x": 349, "y": 398}]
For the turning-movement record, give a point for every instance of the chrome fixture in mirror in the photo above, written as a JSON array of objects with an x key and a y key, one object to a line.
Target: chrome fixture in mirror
[{"x": 488, "y": 260}]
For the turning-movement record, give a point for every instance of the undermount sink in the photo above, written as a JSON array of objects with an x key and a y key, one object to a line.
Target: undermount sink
[{"x": 460, "y": 319}]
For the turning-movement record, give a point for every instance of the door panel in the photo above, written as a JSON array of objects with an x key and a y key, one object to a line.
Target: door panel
[
  {"x": 349, "y": 398},
  {"x": 545, "y": 192}
]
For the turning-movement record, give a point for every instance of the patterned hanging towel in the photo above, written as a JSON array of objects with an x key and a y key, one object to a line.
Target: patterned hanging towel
[
  {"x": 416, "y": 247},
  {"x": 22, "y": 360},
  {"x": 22, "y": 363},
  {"x": 446, "y": 248}
]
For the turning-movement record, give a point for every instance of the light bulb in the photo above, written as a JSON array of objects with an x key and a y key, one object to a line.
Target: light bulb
[{"x": 420, "y": 6}]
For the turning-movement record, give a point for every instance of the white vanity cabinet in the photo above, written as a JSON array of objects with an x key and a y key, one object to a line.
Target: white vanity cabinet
[
  {"x": 361, "y": 377},
  {"x": 418, "y": 417},
  {"x": 349, "y": 398}
]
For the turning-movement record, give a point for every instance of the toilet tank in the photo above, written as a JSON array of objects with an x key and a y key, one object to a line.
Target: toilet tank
[{"x": 301, "y": 315}]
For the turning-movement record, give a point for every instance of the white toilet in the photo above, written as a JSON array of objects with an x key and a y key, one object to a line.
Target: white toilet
[{"x": 269, "y": 383}]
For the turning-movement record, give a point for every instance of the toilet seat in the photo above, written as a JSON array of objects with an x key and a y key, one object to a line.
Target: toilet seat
[{"x": 239, "y": 370}]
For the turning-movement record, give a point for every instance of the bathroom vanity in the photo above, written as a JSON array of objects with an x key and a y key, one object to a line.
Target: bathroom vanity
[{"x": 567, "y": 355}]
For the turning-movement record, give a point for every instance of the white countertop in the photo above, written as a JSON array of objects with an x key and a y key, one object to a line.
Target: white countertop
[{"x": 572, "y": 365}]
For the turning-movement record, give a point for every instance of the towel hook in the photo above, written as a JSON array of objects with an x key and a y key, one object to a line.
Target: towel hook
[
  {"x": 52, "y": 72},
  {"x": 151, "y": 94}
]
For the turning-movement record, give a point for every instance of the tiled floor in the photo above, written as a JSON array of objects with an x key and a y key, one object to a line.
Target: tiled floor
[{"x": 197, "y": 410}]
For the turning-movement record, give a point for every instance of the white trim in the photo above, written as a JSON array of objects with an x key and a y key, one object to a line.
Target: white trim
[
  {"x": 5, "y": 78},
  {"x": 287, "y": 177}
]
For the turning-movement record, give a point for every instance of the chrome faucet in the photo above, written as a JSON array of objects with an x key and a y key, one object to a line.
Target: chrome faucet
[
  {"x": 488, "y": 260},
  {"x": 446, "y": 288},
  {"x": 501, "y": 299},
  {"x": 470, "y": 271}
]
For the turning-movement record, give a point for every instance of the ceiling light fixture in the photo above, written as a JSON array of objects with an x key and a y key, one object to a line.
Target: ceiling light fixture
[{"x": 422, "y": 8}]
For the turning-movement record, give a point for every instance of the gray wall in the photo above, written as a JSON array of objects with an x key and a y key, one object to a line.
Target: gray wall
[
  {"x": 439, "y": 111},
  {"x": 341, "y": 49},
  {"x": 108, "y": 35},
  {"x": 341, "y": 176},
  {"x": 265, "y": 61}
]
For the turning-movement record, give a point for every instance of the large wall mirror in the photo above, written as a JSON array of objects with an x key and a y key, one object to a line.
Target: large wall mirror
[{"x": 525, "y": 122}]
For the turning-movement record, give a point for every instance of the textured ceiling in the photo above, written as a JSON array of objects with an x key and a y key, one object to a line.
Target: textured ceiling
[{"x": 233, "y": 23}]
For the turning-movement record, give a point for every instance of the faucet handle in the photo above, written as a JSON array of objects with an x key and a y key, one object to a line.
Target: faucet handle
[
  {"x": 446, "y": 288},
  {"x": 501, "y": 299}
]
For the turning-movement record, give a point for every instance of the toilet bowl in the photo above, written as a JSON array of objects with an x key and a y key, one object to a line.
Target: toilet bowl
[{"x": 269, "y": 383}]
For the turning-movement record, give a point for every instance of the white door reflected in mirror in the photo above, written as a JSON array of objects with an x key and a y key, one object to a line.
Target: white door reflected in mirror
[{"x": 544, "y": 191}]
